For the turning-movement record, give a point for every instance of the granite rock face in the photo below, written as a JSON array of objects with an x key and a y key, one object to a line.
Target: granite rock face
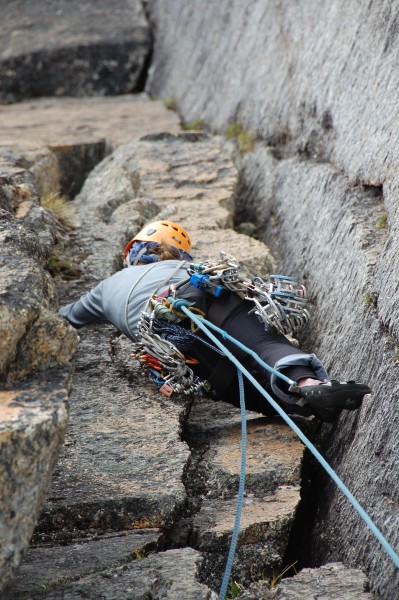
[
  {"x": 316, "y": 89},
  {"x": 186, "y": 177},
  {"x": 33, "y": 419},
  {"x": 142, "y": 497},
  {"x": 32, "y": 337},
  {"x": 167, "y": 575},
  {"x": 36, "y": 344},
  {"x": 58, "y": 48},
  {"x": 322, "y": 80},
  {"x": 80, "y": 122},
  {"x": 333, "y": 580},
  {"x": 36, "y": 347}
]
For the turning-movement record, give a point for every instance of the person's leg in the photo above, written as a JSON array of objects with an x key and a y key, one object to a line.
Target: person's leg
[
  {"x": 314, "y": 392},
  {"x": 310, "y": 396},
  {"x": 268, "y": 344},
  {"x": 271, "y": 347}
]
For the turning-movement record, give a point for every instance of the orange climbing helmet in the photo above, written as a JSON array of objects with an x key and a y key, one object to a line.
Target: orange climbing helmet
[{"x": 162, "y": 231}]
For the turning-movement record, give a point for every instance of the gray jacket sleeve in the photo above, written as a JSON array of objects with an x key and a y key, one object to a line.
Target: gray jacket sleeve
[
  {"x": 89, "y": 309},
  {"x": 119, "y": 299}
]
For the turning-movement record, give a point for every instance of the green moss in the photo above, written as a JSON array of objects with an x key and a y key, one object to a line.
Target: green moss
[
  {"x": 233, "y": 130},
  {"x": 246, "y": 142},
  {"x": 63, "y": 267},
  {"x": 382, "y": 222},
  {"x": 234, "y": 589},
  {"x": 142, "y": 553},
  {"x": 195, "y": 125},
  {"x": 170, "y": 103},
  {"x": 244, "y": 139},
  {"x": 368, "y": 299}
]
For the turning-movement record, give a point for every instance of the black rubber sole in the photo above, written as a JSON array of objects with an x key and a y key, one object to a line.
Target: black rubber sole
[
  {"x": 340, "y": 396},
  {"x": 327, "y": 415}
]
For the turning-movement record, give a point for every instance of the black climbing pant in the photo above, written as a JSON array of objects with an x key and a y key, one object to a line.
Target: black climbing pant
[{"x": 232, "y": 316}]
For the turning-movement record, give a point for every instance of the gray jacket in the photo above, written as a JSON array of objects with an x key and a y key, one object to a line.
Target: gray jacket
[{"x": 121, "y": 298}]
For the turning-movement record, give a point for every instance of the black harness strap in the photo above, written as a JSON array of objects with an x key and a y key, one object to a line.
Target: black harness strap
[
  {"x": 221, "y": 308},
  {"x": 217, "y": 311},
  {"x": 222, "y": 376}
]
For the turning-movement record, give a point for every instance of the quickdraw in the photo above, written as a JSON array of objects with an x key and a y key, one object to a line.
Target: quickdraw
[{"x": 279, "y": 302}]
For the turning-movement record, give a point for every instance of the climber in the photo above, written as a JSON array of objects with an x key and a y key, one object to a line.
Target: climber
[{"x": 157, "y": 260}]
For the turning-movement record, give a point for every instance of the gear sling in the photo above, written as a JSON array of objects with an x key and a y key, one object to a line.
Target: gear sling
[{"x": 219, "y": 292}]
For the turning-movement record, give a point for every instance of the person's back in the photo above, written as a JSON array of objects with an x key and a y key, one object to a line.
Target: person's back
[{"x": 121, "y": 298}]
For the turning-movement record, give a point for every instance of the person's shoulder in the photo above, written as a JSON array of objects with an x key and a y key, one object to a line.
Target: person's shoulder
[
  {"x": 169, "y": 263},
  {"x": 163, "y": 265}
]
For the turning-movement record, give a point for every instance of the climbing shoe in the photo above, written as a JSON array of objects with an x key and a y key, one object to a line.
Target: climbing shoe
[
  {"x": 327, "y": 415},
  {"x": 327, "y": 400}
]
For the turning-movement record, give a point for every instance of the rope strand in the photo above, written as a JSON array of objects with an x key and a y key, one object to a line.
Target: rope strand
[
  {"x": 241, "y": 488},
  {"x": 203, "y": 324}
]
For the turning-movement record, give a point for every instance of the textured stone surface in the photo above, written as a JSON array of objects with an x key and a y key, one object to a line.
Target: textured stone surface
[
  {"x": 273, "y": 463},
  {"x": 274, "y": 456},
  {"x": 123, "y": 461},
  {"x": 52, "y": 566},
  {"x": 318, "y": 91},
  {"x": 60, "y": 140},
  {"x": 334, "y": 580},
  {"x": 318, "y": 75},
  {"x": 33, "y": 418},
  {"x": 34, "y": 342},
  {"x": 123, "y": 464},
  {"x": 347, "y": 251},
  {"x": 71, "y": 48},
  {"x": 189, "y": 178},
  {"x": 67, "y": 121},
  {"x": 32, "y": 336},
  {"x": 156, "y": 576},
  {"x": 264, "y": 529},
  {"x": 34, "y": 339}
]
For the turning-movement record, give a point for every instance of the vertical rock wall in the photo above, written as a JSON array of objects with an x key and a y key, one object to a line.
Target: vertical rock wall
[{"x": 316, "y": 84}]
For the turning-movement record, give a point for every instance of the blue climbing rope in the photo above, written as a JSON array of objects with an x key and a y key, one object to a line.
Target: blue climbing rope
[
  {"x": 241, "y": 488},
  {"x": 203, "y": 324}
]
